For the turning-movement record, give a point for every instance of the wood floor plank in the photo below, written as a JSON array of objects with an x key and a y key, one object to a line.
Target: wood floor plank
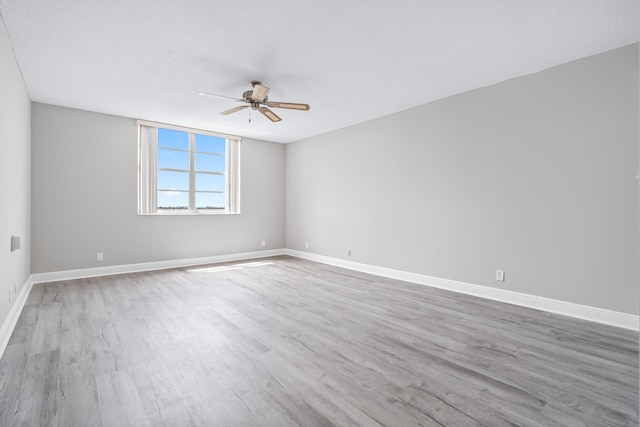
[
  {"x": 120, "y": 402},
  {"x": 12, "y": 370},
  {"x": 78, "y": 403},
  {"x": 40, "y": 392},
  {"x": 48, "y": 328},
  {"x": 287, "y": 342}
]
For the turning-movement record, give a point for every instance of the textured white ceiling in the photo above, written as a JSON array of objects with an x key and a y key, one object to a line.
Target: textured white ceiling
[{"x": 351, "y": 60}]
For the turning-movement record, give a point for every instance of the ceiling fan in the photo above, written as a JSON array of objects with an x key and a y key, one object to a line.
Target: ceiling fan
[{"x": 257, "y": 99}]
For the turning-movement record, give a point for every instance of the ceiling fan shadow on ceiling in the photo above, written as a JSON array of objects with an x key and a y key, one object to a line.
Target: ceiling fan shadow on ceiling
[{"x": 257, "y": 99}]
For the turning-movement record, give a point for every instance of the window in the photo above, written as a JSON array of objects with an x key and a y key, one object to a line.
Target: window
[{"x": 187, "y": 171}]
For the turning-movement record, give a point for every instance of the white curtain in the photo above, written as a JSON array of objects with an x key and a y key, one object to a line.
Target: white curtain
[
  {"x": 233, "y": 176},
  {"x": 147, "y": 158}
]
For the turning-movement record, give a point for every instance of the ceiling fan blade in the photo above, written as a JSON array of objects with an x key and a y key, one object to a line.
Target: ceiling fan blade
[
  {"x": 269, "y": 114},
  {"x": 213, "y": 95},
  {"x": 289, "y": 105},
  {"x": 259, "y": 92},
  {"x": 233, "y": 110}
]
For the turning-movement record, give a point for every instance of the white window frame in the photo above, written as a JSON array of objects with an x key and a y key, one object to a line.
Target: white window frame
[{"x": 148, "y": 170}]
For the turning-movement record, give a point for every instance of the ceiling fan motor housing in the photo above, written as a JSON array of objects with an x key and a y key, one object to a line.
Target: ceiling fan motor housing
[{"x": 247, "y": 97}]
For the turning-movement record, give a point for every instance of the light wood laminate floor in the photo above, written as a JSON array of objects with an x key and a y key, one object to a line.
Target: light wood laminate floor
[{"x": 287, "y": 342}]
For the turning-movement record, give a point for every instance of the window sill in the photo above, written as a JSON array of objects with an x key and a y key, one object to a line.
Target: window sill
[{"x": 188, "y": 213}]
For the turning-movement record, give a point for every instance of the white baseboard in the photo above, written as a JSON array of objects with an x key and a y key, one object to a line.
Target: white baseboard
[
  {"x": 585, "y": 312},
  {"x": 57, "y": 276},
  {"x": 14, "y": 313}
]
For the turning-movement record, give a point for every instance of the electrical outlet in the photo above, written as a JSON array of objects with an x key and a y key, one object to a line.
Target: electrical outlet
[
  {"x": 99, "y": 256},
  {"x": 349, "y": 252},
  {"x": 500, "y": 275},
  {"x": 264, "y": 243},
  {"x": 306, "y": 245}
]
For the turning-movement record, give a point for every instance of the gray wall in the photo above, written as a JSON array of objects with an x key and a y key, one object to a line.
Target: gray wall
[
  {"x": 15, "y": 174},
  {"x": 535, "y": 176},
  {"x": 85, "y": 198}
]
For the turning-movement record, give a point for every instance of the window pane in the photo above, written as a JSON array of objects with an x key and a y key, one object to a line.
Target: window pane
[
  {"x": 210, "y": 144},
  {"x": 208, "y": 182},
  {"x": 173, "y": 180},
  {"x": 209, "y": 201},
  {"x": 173, "y": 139},
  {"x": 173, "y": 159},
  {"x": 173, "y": 200},
  {"x": 210, "y": 162}
]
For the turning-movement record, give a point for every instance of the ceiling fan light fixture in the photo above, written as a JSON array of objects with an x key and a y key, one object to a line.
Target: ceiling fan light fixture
[{"x": 259, "y": 92}]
